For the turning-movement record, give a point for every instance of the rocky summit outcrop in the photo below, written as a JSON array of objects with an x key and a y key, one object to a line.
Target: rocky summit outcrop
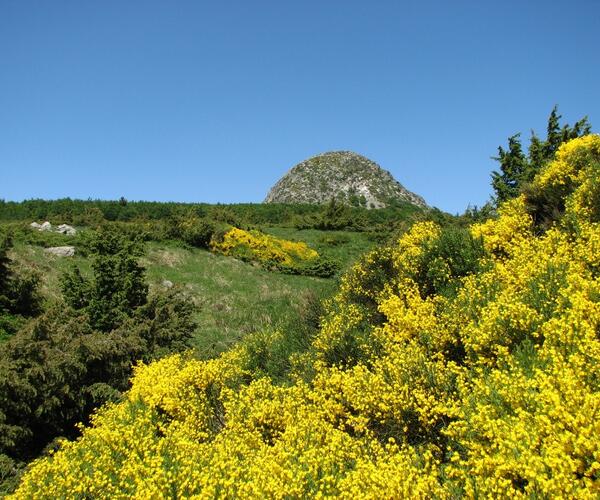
[{"x": 345, "y": 176}]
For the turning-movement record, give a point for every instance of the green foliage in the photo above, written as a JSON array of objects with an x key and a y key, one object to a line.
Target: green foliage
[
  {"x": 453, "y": 255},
  {"x": 374, "y": 271},
  {"x": 199, "y": 233},
  {"x": 335, "y": 216},
  {"x": 118, "y": 285},
  {"x": 514, "y": 167},
  {"x": 192, "y": 223},
  {"x": 271, "y": 353},
  {"x": 10, "y": 473},
  {"x": 321, "y": 267},
  {"x": 164, "y": 324},
  {"x": 518, "y": 169},
  {"x": 191, "y": 229},
  {"x": 19, "y": 297},
  {"x": 56, "y": 369},
  {"x": 5, "y": 244},
  {"x": 477, "y": 214},
  {"x": 42, "y": 379}
]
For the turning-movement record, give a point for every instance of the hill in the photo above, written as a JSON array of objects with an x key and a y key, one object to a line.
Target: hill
[{"x": 345, "y": 176}]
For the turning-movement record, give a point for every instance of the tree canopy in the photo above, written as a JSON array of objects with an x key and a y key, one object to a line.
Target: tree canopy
[{"x": 518, "y": 169}]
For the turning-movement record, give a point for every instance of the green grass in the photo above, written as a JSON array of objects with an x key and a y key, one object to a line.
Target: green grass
[
  {"x": 233, "y": 298},
  {"x": 49, "y": 267},
  {"x": 342, "y": 246}
]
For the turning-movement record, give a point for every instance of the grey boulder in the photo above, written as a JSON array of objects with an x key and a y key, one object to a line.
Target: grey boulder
[
  {"x": 61, "y": 251},
  {"x": 66, "y": 229}
]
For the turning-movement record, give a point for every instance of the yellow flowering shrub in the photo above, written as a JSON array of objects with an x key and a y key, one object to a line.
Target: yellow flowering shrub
[
  {"x": 261, "y": 247},
  {"x": 489, "y": 390},
  {"x": 508, "y": 232}
]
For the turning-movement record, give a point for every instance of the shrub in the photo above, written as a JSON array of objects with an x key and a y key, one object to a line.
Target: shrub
[
  {"x": 56, "y": 369},
  {"x": 577, "y": 163},
  {"x": 268, "y": 250},
  {"x": 197, "y": 232},
  {"x": 321, "y": 267},
  {"x": 454, "y": 254},
  {"x": 19, "y": 296},
  {"x": 335, "y": 216},
  {"x": 117, "y": 287}
]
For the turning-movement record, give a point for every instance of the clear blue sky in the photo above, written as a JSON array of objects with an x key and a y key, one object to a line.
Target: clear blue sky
[{"x": 214, "y": 101}]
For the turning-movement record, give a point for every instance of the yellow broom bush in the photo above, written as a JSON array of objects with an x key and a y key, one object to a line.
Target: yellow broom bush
[{"x": 261, "y": 247}]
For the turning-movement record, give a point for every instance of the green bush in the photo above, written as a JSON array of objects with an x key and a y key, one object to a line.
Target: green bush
[
  {"x": 335, "y": 216},
  {"x": 518, "y": 169},
  {"x": 59, "y": 367},
  {"x": 271, "y": 353},
  {"x": 198, "y": 233},
  {"x": 117, "y": 287},
  {"x": 453, "y": 255},
  {"x": 322, "y": 267},
  {"x": 10, "y": 473},
  {"x": 19, "y": 296}
]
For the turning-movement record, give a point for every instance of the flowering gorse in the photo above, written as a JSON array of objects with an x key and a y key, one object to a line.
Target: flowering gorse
[
  {"x": 489, "y": 390},
  {"x": 264, "y": 248}
]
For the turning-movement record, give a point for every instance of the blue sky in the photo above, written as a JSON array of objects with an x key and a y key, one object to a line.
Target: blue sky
[{"x": 214, "y": 101}]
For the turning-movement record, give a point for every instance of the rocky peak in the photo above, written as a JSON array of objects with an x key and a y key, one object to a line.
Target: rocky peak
[{"x": 345, "y": 176}]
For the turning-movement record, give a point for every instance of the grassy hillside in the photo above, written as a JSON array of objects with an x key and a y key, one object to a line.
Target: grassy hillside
[{"x": 232, "y": 297}]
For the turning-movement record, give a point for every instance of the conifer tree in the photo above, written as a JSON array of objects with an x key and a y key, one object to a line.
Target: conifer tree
[
  {"x": 518, "y": 169},
  {"x": 513, "y": 168},
  {"x": 118, "y": 286}
]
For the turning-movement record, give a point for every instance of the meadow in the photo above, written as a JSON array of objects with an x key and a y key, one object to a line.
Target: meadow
[{"x": 232, "y": 297}]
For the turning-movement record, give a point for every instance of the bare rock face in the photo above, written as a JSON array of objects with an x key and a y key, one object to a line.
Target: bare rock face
[
  {"x": 61, "y": 251},
  {"x": 345, "y": 176}
]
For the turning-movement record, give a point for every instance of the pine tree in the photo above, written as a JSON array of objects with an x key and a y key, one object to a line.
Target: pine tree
[
  {"x": 513, "y": 167},
  {"x": 517, "y": 170},
  {"x": 554, "y": 134}
]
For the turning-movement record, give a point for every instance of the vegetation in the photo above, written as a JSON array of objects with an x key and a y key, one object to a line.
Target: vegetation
[
  {"x": 458, "y": 358},
  {"x": 117, "y": 288},
  {"x": 274, "y": 253},
  {"x": 517, "y": 170},
  {"x": 99, "y": 319},
  {"x": 451, "y": 363},
  {"x": 18, "y": 292},
  {"x": 163, "y": 220},
  {"x": 58, "y": 368}
]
